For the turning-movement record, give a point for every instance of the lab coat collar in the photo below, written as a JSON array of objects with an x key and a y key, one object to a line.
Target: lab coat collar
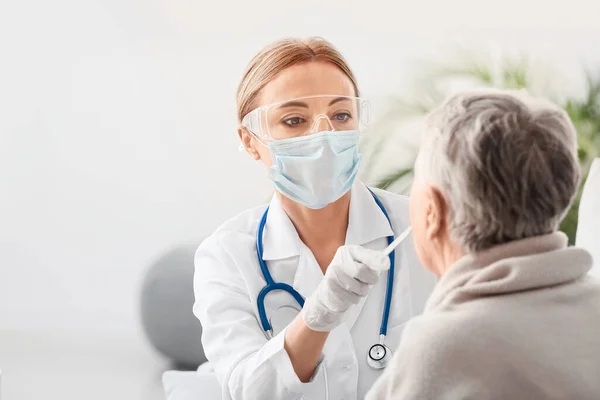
[
  {"x": 366, "y": 223},
  {"x": 280, "y": 239}
]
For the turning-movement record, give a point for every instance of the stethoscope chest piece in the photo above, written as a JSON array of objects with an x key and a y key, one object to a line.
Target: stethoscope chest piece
[{"x": 379, "y": 356}]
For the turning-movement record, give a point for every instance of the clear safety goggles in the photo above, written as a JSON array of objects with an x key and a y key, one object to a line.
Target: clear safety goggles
[{"x": 304, "y": 116}]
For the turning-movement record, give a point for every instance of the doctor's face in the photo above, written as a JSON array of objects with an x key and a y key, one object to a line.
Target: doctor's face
[{"x": 307, "y": 79}]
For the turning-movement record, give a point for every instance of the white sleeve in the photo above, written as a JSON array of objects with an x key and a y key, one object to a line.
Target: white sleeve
[
  {"x": 588, "y": 227},
  {"x": 247, "y": 365}
]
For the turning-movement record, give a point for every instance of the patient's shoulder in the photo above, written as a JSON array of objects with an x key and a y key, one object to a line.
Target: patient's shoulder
[
  {"x": 444, "y": 336},
  {"x": 440, "y": 353}
]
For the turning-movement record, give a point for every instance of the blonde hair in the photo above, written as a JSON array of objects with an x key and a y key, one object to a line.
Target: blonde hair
[{"x": 281, "y": 55}]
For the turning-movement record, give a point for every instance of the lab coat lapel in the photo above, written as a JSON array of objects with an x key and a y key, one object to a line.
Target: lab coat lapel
[
  {"x": 280, "y": 239},
  {"x": 308, "y": 274},
  {"x": 366, "y": 224}
]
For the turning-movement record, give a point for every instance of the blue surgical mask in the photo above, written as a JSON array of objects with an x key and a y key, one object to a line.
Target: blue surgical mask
[{"x": 315, "y": 170}]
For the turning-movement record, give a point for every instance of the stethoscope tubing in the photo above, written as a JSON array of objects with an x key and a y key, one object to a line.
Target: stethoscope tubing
[{"x": 271, "y": 285}]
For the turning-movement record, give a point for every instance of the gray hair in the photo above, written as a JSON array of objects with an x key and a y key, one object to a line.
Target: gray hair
[{"x": 505, "y": 162}]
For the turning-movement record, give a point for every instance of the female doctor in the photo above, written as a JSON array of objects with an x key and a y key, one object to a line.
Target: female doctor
[{"x": 296, "y": 299}]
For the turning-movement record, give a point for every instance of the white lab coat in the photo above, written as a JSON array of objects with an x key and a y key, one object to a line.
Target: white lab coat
[
  {"x": 588, "y": 226},
  {"x": 228, "y": 279}
]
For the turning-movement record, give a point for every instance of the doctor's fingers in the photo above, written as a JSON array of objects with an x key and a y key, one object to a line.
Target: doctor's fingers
[
  {"x": 346, "y": 261},
  {"x": 359, "y": 271},
  {"x": 339, "y": 299},
  {"x": 373, "y": 259},
  {"x": 349, "y": 283}
]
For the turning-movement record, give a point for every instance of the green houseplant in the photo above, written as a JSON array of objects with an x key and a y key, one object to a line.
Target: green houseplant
[{"x": 435, "y": 85}]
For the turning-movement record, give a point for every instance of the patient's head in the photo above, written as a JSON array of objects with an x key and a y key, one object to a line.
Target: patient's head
[{"x": 494, "y": 166}]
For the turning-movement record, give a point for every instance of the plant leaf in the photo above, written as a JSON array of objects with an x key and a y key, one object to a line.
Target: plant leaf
[{"x": 393, "y": 177}]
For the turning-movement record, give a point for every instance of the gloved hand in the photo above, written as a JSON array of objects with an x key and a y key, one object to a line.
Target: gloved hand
[{"x": 353, "y": 270}]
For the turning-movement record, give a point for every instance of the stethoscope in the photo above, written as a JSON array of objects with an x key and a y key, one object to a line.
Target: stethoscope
[{"x": 379, "y": 354}]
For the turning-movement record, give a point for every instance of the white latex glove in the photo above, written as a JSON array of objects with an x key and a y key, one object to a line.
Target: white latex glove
[{"x": 350, "y": 275}]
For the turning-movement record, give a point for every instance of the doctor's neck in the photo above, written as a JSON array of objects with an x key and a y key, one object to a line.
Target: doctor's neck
[{"x": 322, "y": 230}]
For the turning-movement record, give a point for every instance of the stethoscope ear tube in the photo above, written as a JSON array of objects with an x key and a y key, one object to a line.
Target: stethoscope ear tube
[
  {"x": 262, "y": 313},
  {"x": 390, "y": 282},
  {"x": 260, "y": 301}
]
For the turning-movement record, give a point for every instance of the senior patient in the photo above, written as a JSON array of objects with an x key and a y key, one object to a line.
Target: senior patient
[{"x": 514, "y": 314}]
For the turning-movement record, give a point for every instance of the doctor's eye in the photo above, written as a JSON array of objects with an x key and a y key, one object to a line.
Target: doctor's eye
[
  {"x": 344, "y": 116},
  {"x": 293, "y": 121}
]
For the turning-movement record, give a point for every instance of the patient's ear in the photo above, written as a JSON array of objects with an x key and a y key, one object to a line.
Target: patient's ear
[
  {"x": 436, "y": 213},
  {"x": 248, "y": 144}
]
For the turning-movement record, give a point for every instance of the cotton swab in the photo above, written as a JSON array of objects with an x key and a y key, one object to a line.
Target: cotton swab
[{"x": 388, "y": 250}]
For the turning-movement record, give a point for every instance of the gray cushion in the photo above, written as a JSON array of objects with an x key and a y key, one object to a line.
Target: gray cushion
[{"x": 167, "y": 297}]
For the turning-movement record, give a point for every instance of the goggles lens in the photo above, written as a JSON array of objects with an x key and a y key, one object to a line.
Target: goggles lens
[{"x": 307, "y": 115}]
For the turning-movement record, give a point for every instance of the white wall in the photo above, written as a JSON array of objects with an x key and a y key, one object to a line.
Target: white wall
[{"x": 117, "y": 124}]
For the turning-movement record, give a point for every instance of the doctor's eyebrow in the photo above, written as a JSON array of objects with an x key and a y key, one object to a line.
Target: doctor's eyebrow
[
  {"x": 338, "y": 99},
  {"x": 304, "y": 105},
  {"x": 294, "y": 104}
]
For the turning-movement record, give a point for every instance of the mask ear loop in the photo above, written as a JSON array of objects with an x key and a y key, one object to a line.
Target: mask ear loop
[{"x": 241, "y": 147}]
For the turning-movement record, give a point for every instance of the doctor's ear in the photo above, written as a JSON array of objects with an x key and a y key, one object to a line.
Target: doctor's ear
[
  {"x": 437, "y": 213},
  {"x": 248, "y": 144}
]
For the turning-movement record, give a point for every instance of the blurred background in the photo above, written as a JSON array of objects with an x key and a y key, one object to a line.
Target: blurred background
[{"x": 118, "y": 146}]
